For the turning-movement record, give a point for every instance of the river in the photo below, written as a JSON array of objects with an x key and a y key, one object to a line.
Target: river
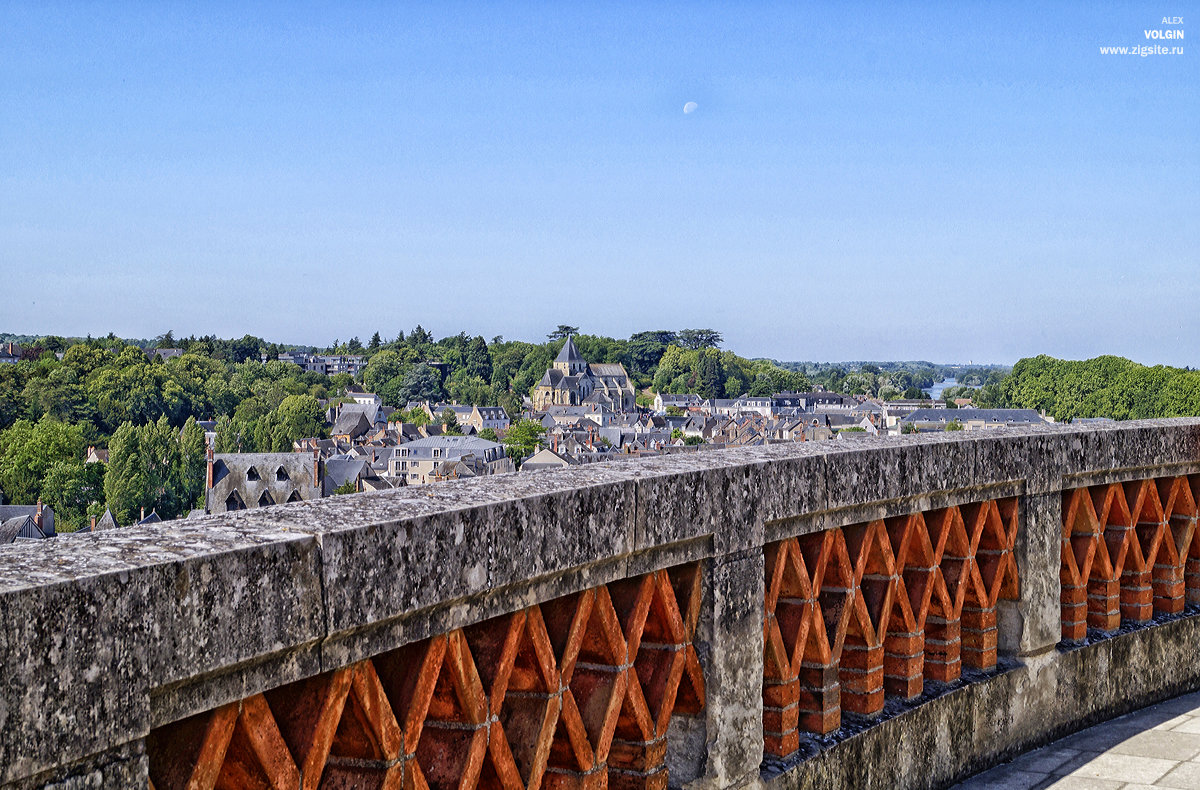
[{"x": 935, "y": 392}]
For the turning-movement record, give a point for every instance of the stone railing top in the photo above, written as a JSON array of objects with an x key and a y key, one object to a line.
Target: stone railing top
[
  {"x": 854, "y": 471},
  {"x": 119, "y": 631}
]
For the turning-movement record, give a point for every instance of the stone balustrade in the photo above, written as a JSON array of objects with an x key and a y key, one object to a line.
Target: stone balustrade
[{"x": 867, "y": 613}]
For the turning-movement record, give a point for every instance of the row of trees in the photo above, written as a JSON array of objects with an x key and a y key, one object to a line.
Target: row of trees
[
  {"x": 1105, "y": 386},
  {"x": 155, "y": 467}
]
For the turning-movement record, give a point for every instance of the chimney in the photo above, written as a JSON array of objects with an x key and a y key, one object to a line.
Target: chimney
[
  {"x": 143, "y": 517},
  {"x": 93, "y": 529},
  {"x": 208, "y": 484},
  {"x": 37, "y": 519},
  {"x": 317, "y": 469}
]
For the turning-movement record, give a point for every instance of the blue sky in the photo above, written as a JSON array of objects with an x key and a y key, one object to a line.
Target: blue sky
[{"x": 862, "y": 181}]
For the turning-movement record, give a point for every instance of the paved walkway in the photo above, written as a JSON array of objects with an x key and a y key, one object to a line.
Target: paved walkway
[{"x": 1154, "y": 747}]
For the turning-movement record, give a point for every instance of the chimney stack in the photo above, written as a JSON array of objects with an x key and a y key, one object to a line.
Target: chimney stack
[
  {"x": 208, "y": 484},
  {"x": 143, "y": 516},
  {"x": 37, "y": 519},
  {"x": 93, "y": 529},
  {"x": 317, "y": 469}
]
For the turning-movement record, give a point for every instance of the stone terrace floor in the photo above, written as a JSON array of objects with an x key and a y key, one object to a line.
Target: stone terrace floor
[{"x": 1154, "y": 747}]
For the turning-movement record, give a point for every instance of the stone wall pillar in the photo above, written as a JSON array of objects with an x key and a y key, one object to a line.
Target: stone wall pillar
[
  {"x": 1032, "y": 624},
  {"x": 723, "y": 747}
]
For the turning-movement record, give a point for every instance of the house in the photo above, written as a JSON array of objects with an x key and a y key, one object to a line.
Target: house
[
  {"x": 547, "y": 459},
  {"x": 351, "y": 424},
  {"x": 10, "y": 354},
  {"x": 325, "y": 364},
  {"x": 237, "y": 481},
  {"x": 664, "y": 401},
  {"x": 342, "y": 469},
  {"x": 163, "y": 353},
  {"x": 423, "y": 460},
  {"x": 971, "y": 419},
  {"x": 571, "y": 381},
  {"x": 812, "y": 401},
  {"x": 492, "y": 417},
  {"x": 26, "y": 522},
  {"x": 95, "y": 456},
  {"x": 749, "y": 404}
]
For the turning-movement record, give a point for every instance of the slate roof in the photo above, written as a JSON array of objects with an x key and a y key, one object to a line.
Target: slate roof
[
  {"x": 342, "y": 470},
  {"x": 13, "y": 511},
  {"x": 569, "y": 353},
  {"x": 17, "y": 526},
  {"x": 996, "y": 416},
  {"x": 107, "y": 521},
  {"x": 547, "y": 459}
]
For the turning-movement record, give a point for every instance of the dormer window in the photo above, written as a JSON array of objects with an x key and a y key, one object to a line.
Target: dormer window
[
  {"x": 281, "y": 476},
  {"x": 252, "y": 474}
]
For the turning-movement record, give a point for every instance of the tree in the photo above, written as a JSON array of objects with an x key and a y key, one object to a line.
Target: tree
[
  {"x": 421, "y": 383},
  {"x": 296, "y": 417},
  {"x": 193, "y": 462},
  {"x": 27, "y": 452},
  {"x": 348, "y": 487},
  {"x": 376, "y": 342},
  {"x": 477, "y": 361},
  {"x": 70, "y": 487},
  {"x": 522, "y": 439},
  {"x": 954, "y": 425},
  {"x": 450, "y": 422},
  {"x": 127, "y": 483},
  {"x": 562, "y": 332},
  {"x": 489, "y": 434},
  {"x": 693, "y": 339},
  {"x": 354, "y": 346}
]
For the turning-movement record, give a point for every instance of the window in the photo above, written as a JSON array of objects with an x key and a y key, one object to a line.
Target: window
[
  {"x": 281, "y": 475},
  {"x": 252, "y": 474}
]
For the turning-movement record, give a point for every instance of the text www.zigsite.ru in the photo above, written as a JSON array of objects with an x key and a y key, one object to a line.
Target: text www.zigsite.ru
[{"x": 1154, "y": 49}]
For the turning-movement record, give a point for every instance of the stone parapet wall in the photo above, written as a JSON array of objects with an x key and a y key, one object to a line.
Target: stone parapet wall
[{"x": 109, "y": 636}]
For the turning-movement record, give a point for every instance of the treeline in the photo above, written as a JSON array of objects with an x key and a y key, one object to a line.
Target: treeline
[
  {"x": 1106, "y": 386},
  {"x": 105, "y": 392}
]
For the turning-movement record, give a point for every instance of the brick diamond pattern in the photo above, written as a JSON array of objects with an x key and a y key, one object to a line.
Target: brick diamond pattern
[
  {"x": 573, "y": 693},
  {"x": 859, "y": 613},
  {"x": 1129, "y": 551}
]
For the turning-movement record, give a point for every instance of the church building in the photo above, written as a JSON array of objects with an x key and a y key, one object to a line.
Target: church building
[{"x": 571, "y": 381}]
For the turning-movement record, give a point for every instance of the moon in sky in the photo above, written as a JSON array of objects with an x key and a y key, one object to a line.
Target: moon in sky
[{"x": 690, "y": 108}]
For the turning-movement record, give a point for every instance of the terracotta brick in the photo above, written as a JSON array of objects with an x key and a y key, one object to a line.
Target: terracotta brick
[
  {"x": 640, "y": 756},
  {"x": 782, "y": 744},
  {"x": 628, "y": 780},
  {"x": 558, "y": 779},
  {"x": 1074, "y": 632},
  {"x": 780, "y": 695},
  {"x": 905, "y": 687},
  {"x": 821, "y": 722},
  {"x": 781, "y": 719},
  {"x": 943, "y": 671}
]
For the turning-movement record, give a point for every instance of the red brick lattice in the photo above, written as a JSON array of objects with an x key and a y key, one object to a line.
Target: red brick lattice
[
  {"x": 573, "y": 693},
  {"x": 858, "y": 612},
  {"x": 1129, "y": 551}
]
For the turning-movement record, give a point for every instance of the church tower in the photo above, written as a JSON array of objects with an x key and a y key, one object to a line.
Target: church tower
[{"x": 569, "y": 361}]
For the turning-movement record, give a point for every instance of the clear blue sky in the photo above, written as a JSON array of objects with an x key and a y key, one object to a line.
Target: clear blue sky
[{"x": 942, "y": 181}]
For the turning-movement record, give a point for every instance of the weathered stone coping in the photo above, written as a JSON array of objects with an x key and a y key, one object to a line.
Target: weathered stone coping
[{"x": 109, "y": 634}]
